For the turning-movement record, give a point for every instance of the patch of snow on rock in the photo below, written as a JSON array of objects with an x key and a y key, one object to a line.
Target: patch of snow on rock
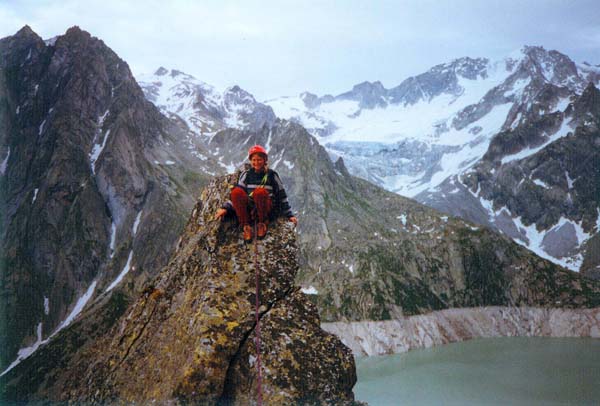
[
  {"x": 123, "y": 272},
  {"x": 4, "y": 163},
  {"x": 137, "y": 222},
  {"x": 113, "y": 238},
  {"x": 310, "y": 290}
]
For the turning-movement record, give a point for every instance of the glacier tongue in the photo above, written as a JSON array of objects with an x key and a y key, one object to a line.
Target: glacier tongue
[{"x": 412, "y": 165}]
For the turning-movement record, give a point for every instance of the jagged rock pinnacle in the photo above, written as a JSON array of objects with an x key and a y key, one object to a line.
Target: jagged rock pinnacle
[
  {"x": 189, "y": 337},
  {"x": 25, "y": 31}
]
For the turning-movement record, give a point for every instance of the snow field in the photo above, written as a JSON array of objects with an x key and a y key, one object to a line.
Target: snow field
[{"x": 79, "y": 306}]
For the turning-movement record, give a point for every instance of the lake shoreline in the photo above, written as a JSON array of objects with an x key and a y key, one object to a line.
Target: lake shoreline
[{"x": 455, "y": 325}]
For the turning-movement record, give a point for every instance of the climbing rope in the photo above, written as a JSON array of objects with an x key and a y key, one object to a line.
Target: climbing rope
[{"x": 257, "y": 335}]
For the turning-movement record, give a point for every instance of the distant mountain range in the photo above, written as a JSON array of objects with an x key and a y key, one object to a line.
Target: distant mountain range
[{"x": 428, "y": 139}]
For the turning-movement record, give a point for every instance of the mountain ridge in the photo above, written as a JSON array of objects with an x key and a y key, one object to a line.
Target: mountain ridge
[
  {"x": 364, "y": 252},
  {"x": 448, "y": 120},
  {"x": 82, "y": 149}
]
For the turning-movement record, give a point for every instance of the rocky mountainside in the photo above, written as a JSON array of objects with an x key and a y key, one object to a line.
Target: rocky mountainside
[
  {"x": 371, "y": 254},
  {"x": 90, "y": 192},
  {"x": 539, "y": 184},
  {"x": 422, "y": 137},
  {"x": 367, "y": 254},
  {"x": 97, "y": 176},
  {"x": 190, "y": 336}
]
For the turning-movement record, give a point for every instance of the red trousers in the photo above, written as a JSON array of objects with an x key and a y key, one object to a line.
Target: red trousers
[{"x": 240, "y": 201}]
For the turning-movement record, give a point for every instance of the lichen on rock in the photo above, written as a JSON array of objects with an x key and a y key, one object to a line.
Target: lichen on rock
[{"x": 190, "y": 335}]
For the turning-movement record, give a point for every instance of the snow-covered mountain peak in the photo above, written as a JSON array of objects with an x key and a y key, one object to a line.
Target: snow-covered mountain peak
[
  {"x": 368, "y": 95},
  {"x": 549, "y": 66},
  {"x": 446, "y": 115},
  {"x": 178, "y": 94},
  {"x": 237, "y": 95},
  {"x": 468, "y": 68},
  {"x": 310, "y": 100},
  {"x": 202, "y": 108}
]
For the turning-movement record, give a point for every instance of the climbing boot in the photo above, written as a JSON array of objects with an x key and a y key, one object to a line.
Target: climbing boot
[
  {"x": 261, "y": 230},
  {"x": 247, "y": 233}
]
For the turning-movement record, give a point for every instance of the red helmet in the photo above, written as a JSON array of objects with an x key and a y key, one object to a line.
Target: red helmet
[{"x": 257, "y": 149}]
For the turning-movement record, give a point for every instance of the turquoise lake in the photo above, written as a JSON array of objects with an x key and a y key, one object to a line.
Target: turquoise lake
[{"x": 496, "y": 371}]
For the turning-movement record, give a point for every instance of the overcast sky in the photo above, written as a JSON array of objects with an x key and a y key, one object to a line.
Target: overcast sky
[{"x": 276, "y": 48}]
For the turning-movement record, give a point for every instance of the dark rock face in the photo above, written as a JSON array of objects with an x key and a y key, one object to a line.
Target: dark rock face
[
  {"x": 560, "y": 181},
  {"x": 254, "y": 114},
  {"x": 369, "y": 95},
  {"x": 374, "y": 255},
  {"x": 555, "y": 67},
  {"x": 439, "y": 79},
  {"x": 189, "y": 336},
  {"x": 80, "y": 178},
  {"x": 310, "y": 100},
  {"x": 541, "y": 168}
]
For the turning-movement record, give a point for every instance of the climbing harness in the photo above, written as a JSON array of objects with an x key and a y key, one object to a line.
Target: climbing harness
[{"x": 257, "y": 335}]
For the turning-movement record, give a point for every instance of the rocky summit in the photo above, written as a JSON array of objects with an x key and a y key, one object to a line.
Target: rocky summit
[
  {"x": 95, "y": 183},
  {"x": 190, "y": 336}
]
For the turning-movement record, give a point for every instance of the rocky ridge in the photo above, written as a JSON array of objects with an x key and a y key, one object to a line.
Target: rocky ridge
[
  {"x": 189, "y": 337},
  {"x": 91, "y": 178},
  {"x": 365, "y": 253}
]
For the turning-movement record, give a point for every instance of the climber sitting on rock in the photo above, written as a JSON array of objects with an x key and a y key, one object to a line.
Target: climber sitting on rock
[{"x": 260, "y": 192}]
